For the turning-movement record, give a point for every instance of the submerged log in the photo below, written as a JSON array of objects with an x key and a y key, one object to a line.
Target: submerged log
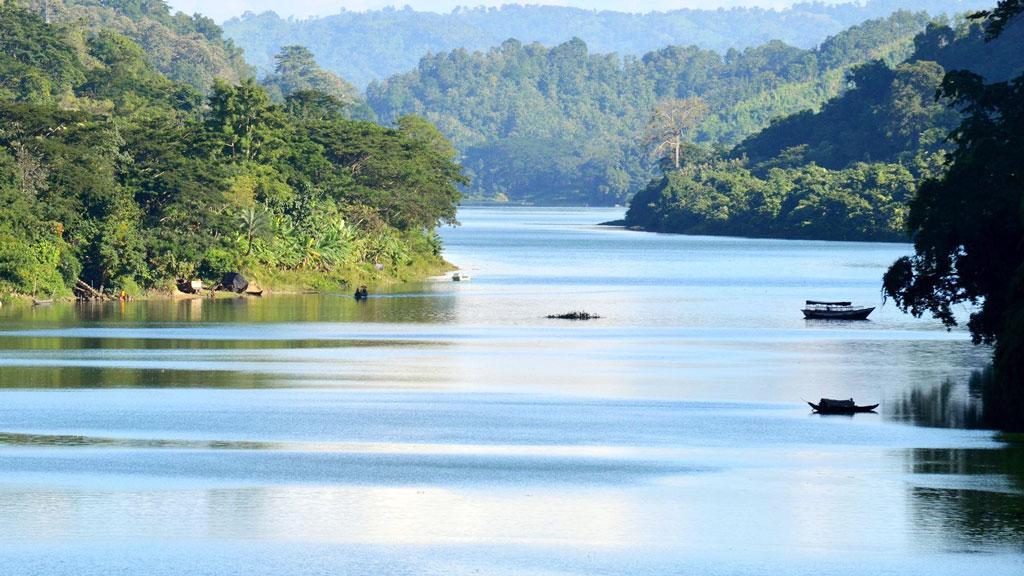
[{"x": 574, "y": 316}]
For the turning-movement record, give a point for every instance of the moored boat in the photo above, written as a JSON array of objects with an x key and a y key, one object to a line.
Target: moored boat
[
  {"x": 190, "y": 286},
  {"x": 829, "y": 406},
  {"x": 815, "y": 310}
]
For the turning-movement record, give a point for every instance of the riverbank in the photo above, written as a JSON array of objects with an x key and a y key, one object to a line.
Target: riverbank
[{"x": 276, "y": 282}]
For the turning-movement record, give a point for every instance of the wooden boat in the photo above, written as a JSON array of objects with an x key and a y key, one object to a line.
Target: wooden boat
[
  {"x": 190, "y": 286},
  {"x": 829, "y": 406},
  {"x": 41, "y": 302},
  {"x": 816, "y": 310},
  {"x": 252, "y": 292}
]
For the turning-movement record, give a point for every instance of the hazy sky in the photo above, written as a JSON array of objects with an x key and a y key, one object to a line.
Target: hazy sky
[{"x": 223, "y": 9}]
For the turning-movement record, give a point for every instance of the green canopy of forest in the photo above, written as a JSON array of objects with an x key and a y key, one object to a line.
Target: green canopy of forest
[{"x": 113, "y": 174}]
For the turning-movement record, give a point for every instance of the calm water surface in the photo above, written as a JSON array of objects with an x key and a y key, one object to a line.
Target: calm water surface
[{"x": 449, "y": 428}]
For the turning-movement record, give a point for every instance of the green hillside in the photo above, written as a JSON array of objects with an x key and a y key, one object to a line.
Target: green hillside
[
  {"x": 846, "y": 172},
  {"x": 564, "y": 125},
  {"x": 188, "y": 49}
]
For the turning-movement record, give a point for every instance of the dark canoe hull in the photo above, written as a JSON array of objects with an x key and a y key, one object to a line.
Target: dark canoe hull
[
  {"x": 855, "y": 314},
  {"x": 840, "y": 410}
]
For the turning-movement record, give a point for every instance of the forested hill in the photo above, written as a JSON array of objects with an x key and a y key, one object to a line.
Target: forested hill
[
  {"x": 188, "y": 49},
  {"x": 565, "y": 125},
  {"x": 848, "y": 172},
  {"x": 892, "y": 113},
  {"x": 113, "y": 175},
  {"x": 366, "y": 46}
]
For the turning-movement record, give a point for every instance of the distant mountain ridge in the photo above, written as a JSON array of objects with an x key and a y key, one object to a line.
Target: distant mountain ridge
[{"x": 366, "y": 46}]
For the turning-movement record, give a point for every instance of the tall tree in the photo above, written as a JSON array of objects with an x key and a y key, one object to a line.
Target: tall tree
[{"x": 671, "y": 122}]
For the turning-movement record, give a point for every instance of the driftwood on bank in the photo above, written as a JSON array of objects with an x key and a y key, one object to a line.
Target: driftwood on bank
[{"x": 87, "y": 292}]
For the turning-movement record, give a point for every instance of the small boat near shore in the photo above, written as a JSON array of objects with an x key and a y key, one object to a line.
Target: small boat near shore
[
  {"x": 460, "y": 277},
  {"x": 815, "y": 310},
  {"x": 829, "y": 406},
  {"x": 189, "y": 286}
]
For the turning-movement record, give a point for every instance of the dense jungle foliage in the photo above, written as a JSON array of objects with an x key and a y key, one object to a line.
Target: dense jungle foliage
[
  {"x": 186, "y": 49},
  {"x": 296, "y": 70},
  {"x": 562, "y": 125},
  {"x": 846, "y": 172},
  {"x": 968, "y": 222},
  {"x": 117, "y": 176},
  {"x": 376, "y": 44}
]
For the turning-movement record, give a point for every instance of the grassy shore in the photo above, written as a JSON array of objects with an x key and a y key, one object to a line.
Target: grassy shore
[{"x": 274, "y": 281}]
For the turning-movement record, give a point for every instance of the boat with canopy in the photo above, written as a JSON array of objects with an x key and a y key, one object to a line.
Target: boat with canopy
[{"x": 817, "y": 310}]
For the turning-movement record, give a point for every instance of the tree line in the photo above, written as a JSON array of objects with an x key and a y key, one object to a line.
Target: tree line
[
  {"x": 373, "y": 45},
  {"x": 845, "y": 172},
  {"x": 114, "y": 175},
  {"x": 563, "y": 125}
]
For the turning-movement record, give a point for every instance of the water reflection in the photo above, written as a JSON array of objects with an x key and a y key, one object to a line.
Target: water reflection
[
  {"x": 950, "y": 404},
  {"x": 409, "y": 303},
  {"x": 969, "y": 499}
]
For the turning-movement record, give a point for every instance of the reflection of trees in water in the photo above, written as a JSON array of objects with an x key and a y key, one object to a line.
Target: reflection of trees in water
[
  {"x": 947, "y": 405},
  {"x": 976, "y": 403},
  {"x": 988, "y": 514},
  {"x": 406, "y": 303},
  {"x": 969, "y": 498},
  {"x": 90, "y": 377}
]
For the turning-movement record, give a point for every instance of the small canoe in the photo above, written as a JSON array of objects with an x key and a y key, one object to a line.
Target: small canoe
[
  {"x": 840, "y": 408},
  {"x": 41, "y": 302},
  {"x": 254, "y": 292}
]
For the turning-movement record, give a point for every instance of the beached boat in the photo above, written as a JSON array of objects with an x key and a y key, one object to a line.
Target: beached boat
[
  {"x": 190, "y": 286},
  {"x": 829, "y": 406},
  {"x": 816, "y": 310}
]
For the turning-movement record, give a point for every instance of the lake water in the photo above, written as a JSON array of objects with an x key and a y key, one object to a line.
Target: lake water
[{"x": 450, "y": 428}]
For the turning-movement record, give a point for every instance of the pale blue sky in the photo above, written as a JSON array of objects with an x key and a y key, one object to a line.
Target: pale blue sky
[{"x": 223, "y": 9}]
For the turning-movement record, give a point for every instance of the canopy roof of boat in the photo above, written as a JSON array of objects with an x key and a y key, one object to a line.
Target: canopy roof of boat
[{"x": 816, "y": 303}]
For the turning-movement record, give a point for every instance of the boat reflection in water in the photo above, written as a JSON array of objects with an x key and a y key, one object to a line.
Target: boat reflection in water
[{"x": 816, "y": 310}]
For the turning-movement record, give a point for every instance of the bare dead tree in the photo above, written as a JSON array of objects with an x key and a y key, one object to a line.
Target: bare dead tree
[{"x": 670, "y": 122}]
